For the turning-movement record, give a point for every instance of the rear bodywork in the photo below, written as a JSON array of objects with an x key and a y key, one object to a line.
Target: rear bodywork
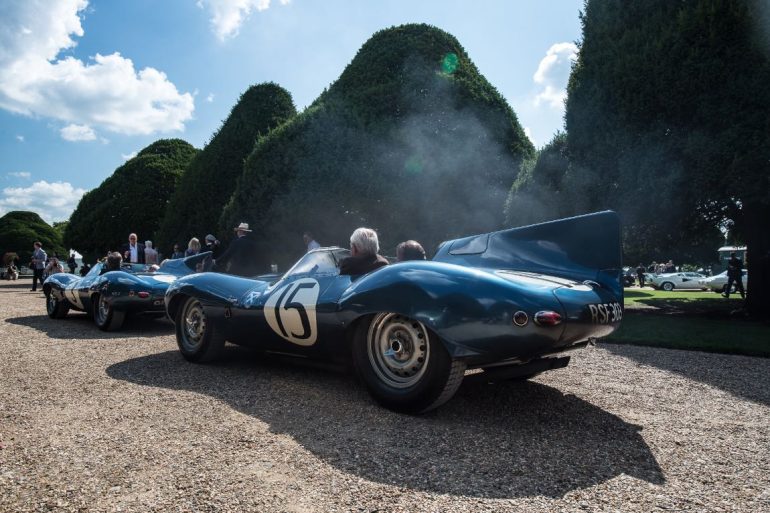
[{"x": 481, "y": 295}]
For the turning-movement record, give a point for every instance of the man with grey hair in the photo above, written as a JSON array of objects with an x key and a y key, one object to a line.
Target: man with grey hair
[{"x": 364, "y": 249}]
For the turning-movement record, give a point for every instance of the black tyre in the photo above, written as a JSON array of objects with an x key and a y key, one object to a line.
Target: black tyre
[
  {"x": 56, "y": 309},
  {"x": 667, "y": 286},
  {"x": 196, "y": 336},
  {"x": 403, "y": 365},
  {"x": 105, "y": 316}
]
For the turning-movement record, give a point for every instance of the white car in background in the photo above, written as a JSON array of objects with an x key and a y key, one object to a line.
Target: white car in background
[
  {"x": 718, "y": 282},
  {"x": 671, "y": 281}
]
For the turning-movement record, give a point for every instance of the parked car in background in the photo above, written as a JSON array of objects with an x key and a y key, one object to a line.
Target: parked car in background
[
  {"x": 671, "y": 281},
  {"x": 718, "y": 283},
  {"x": 629, "y": 276}
]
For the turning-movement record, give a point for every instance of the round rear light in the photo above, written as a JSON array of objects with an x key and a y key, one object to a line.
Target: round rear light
[
  {"x": 547, "y": 318},
  {"x": 520, "y": 318}
]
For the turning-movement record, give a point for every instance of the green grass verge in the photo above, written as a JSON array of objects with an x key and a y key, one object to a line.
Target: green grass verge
[{"x": 691, "y": 319}]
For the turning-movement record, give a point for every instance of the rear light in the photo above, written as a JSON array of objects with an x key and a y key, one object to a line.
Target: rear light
[
  {"x": 520, "y": 318},
  {"x": 547, "y": 318},
  {"x": 143, "y": 295}
]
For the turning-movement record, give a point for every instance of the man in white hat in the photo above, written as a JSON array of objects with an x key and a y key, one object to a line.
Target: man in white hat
[{"x": 241, "y": 256}]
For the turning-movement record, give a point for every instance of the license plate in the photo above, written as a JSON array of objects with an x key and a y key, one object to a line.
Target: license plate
[{"x": 606, "y": 313}]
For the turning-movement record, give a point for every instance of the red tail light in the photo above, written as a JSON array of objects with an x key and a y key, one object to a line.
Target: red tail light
[
  {"x": 143, "y": 295},
  {"x": 547, "y": 318}
]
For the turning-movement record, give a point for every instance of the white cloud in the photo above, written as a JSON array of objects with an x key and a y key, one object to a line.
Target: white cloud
[
  {"x": 129, "y": 156},
  {"x": 210, "y": 98},
  {"x": 77, "y": 133},
  {"x": 106, "y": 91},
  {"x": 227, "y": 16},
  {"x": 20, "y": 138},
  {"x": 52, "y": 201},
  {"x": 553, "y": 73},
  {"x": 528, "y": 133},
  {"x": 20, "y": 174}
]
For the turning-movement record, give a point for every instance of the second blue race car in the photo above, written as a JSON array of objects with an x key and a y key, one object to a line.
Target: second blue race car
[
  {"x": 109, "y": 296},
  {"x": 508, "y": 303}
]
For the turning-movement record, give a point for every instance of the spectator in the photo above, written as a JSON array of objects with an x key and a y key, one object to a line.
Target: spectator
[
  {"x": 212, "y": 244},
  {"x": 409, "y": 250},
  {"x": 240, "y": 257},
  {"x": 177, "y": 253},
  {"x": 150, "y": 255},
  {"x": 12, "y": 271},
  {"x": 364, "y": 257},
  {"x": 193, "y": 247},
  {"x": 640, "y": 274},
  {"x": 38, "y": 264},
  {"x": 133, "y": 251},
  {"x": 734, "y": 275},
  {"x": 84, "y": 269},
  {"x": 310, "y": 242},
  {"x": 114, "y": 261},
  {"x": 53, "y": 267},
  {"x": 72, "y": 263},
  {"x": 670, "y": 268}
]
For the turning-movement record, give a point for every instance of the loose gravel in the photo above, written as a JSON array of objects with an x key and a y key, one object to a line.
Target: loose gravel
[{"x": 94, "y": 421}]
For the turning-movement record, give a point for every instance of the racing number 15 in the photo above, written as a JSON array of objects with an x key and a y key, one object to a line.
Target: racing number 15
[{"x": 290, "y": 311}]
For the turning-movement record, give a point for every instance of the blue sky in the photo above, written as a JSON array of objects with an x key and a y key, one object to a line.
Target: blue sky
[{"x": 84, "y": 84}]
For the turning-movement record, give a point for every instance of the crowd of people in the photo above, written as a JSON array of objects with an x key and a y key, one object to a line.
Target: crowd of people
[{"x": 238, "y": 259}]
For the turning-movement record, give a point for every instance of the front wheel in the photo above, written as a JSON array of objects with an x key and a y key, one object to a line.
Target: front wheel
[
  {"x": 196, "y": 336},
  {"x": 667, "y": 286},
  {"x": 404, "y": 365},
  {"x": 105, "y": 316},
  {"x": 56, "y": 308}
]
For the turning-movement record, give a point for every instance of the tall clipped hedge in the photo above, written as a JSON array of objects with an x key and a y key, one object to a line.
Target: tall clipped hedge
[
  {"x": 411, "y": 140},
  {"x": 20, "y": 229},
  {"x": 668, "y": 114},
  {"x": 209, "y": 182},
  {"x": 132, "y": 199}
]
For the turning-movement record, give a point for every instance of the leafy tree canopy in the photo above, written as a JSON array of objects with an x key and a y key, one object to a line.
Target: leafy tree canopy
[
  {"x": 668, "y": 121},
  {"x": 19, "y": 230},
  {"x": 133, "y": 199},
  {"x": 209, "y": 181},
  {"x": 411, "y": 140}
]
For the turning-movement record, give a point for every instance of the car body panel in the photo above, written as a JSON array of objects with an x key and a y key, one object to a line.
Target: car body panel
[
  {"x": 718, "y": 282},
  {"x": 468, "y": 298},
  {"x": 680, "y": 280}
]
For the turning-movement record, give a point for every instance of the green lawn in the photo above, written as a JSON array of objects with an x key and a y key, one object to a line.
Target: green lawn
[{"x": 690, "y": 320}]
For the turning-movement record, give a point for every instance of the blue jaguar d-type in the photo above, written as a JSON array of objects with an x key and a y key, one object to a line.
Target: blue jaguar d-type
[
  {"x": 507, "y": 303},
  {"x": 109, "y": 295}
]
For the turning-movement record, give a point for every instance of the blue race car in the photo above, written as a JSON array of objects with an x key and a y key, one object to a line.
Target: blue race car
[
  {"x": 507, "y": 303},
  {"x": 109, "y": 296}
]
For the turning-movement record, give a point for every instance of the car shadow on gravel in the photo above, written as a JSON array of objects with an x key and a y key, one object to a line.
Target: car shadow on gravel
[
  {"x": 742, "y": 376},
  {"x": 505, "y": 440},
  {"x": 78, "y": 325}
]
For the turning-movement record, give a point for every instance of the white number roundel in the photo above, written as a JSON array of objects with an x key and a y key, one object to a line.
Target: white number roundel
[{"x": 290, "y": 311}]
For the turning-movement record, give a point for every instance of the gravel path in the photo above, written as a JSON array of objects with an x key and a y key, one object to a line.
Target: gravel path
[{"x": 91, "y": 421}]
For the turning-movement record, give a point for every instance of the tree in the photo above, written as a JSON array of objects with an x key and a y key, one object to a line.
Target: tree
[
  {"x": 411, "y": 140},
  {"x": 19, "y": 230},
  {"x": 209, "y": 181},
  {"x": 132, "y": 199},
  {"x": 668, "y": 118}
]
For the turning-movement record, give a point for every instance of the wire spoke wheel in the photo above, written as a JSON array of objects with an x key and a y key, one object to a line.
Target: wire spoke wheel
[
  {"x": 102, "y": 311},
  {"x": 398, "y": 349},
  {"x": 194, "y": 326}
]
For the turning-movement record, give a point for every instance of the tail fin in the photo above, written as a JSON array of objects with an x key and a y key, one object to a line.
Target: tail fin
[{"x": 581, "y": 248}]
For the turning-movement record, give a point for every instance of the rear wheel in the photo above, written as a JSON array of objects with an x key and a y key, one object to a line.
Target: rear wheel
[
  {"x": 196, "y": 336},
  {"x": 403, "y": 365},
  {"x": 667, "y": 286},
  {"x": 56, "y": 309},
  {"x": 105, "y": 316}
]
